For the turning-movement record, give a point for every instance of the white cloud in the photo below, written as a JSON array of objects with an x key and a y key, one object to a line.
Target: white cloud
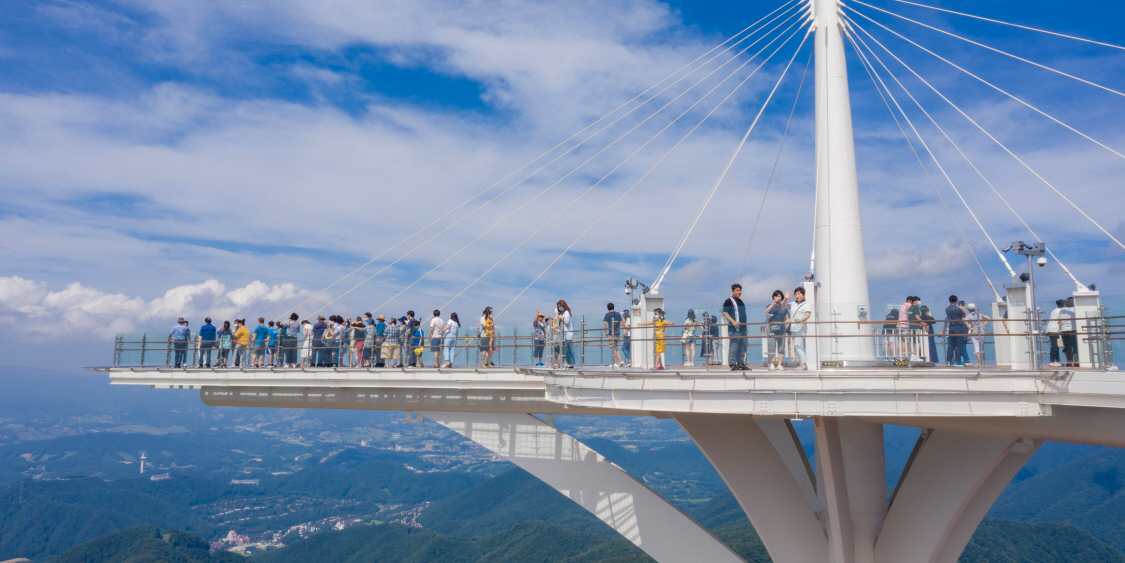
[{"x": 42, "y": 309}]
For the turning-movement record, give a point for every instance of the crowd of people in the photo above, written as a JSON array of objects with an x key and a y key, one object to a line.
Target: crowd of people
[{"x": 908, "y": 334}]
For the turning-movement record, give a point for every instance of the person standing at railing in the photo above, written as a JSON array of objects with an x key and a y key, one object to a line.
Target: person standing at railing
[
  {"x": 206, "y": 342},
  {"x": 291, "y": 341},
  {"x": 305, "y": 357},
  {"x": 271, "y": 349},
  {"x": 319, "y": 345},
  {"x": 626, "y": 339},
  {"x": 734, "y": 311},
  {"x": 180, "y": 335},
  {"x": 449, "y": 339},
  {"x": 566, "y": 321},
  {"x": 688, "y": 337},
  {"x": 555, "y": 341},
  {"x": 1054, "y": 333},
  {"x": 226, "y": 343},
  {"x": 611, "y": 324},
  {"x": 437, "y": 330},
  {"x": 538, "y": 339},
  {"x": 928, "y": 321},
  {"x": 659, "y": 324},
  {"x": 392, "y": 348},
  {"x": 241, "y": 343},
  {"x": 777, "y": 315},
  {"x": 955, "y": 328},
  {"x": 799, "y": 315},
  {"x": 1069, "y": 329},
  {"x": 486, "y": 331},
  {"x": 380, "y": 337},
  {"x": 358, "y": 339},
  {"x": 261, "y": 335},
  {"x": 976, "y": 321}
]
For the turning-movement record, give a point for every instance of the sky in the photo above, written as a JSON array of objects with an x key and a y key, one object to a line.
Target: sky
[{"x": 188, "y": 158}]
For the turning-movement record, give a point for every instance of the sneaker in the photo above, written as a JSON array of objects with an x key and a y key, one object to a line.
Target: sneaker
[
  {"x": 659, "y": 367},
  {"x": 959, "y": 364},
  {"x": 735, "y": 368},
  {"x": 803, "y": 367},
  {"x": 772, "y": 367}
]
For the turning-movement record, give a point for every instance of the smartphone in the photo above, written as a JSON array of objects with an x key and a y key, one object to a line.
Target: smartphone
[{"x": 961, "y": 303}]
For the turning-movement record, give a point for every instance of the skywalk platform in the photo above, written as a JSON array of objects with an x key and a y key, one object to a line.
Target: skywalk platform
[{"x": 869, "y": 392}]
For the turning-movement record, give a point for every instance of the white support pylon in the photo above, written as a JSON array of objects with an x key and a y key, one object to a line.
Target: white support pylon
[
  {"x": 840, "y": 261},
  {"x": 608, "y": 492}
]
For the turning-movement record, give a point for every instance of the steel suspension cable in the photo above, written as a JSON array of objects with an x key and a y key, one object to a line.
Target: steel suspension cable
[
  {"x": 544, "y": 192},
  {"x": 774, "y": 169},
  {"x": 989, "y": 84},
  {"x": 645, "y": 120},
  {"x": 971, "y": 163},
  {"x": 588, "y": 190},
  {"x": 985, "y": 131},
  {"x": 730, "y": 162},
  {"x": 867, "y": 66},
  {"x": 1029, "y": 28},
  {"x": 990, "y": 48},
  {"x": 620, "y": 198},
  {"x": 749, "y": 30}
]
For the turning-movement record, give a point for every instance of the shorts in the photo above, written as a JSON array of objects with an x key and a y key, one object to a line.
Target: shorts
[
  {"x": 485, "y": 344},
  {"x": 978, "y": 343},
  {"x": 391, "y": 352},
  {"x": 435, "y": 345},
  {"x": 614, "y": 340}
]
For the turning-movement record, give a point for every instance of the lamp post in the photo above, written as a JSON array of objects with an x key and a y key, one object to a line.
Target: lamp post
[{"x": 1035, "y": 253}]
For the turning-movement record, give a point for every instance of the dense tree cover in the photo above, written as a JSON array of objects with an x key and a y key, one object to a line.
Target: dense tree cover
[
  {"x": 145, "y": 544},
  {"x": 503, "y": 502},
  {"x": 1005, "y": 541},
  {"x": 1088, "y": 492}
]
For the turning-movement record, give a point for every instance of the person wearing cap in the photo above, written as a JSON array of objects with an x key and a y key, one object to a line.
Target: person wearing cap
[
  {"x": 977, "y": 321},
  {"x": 180, "y": 335},
  {"x": 319, "y": 346},
  {"x": 380, "y": 338},
  {"x": 1069, "y": 329}
]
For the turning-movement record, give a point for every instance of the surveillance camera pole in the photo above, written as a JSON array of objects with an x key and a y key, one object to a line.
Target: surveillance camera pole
[{"x": 1033, "y": 251}]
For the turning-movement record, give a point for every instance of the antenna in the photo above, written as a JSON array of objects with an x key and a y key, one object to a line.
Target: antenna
[{"x": 143, "y": 458}]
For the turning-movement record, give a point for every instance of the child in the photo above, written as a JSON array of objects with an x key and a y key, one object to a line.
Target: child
[{"x": 658, "y": 323}]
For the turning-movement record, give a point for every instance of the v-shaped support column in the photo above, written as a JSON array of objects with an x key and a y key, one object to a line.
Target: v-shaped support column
[{"x": 587, "y": 478}]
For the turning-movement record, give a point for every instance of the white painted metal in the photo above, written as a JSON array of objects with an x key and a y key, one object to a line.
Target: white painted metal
[
  {"x": 783, "y": 437},
  {"x": 1018, "y": 346},
  {"x": 830, "y": 463},
  {"x": 763, "y": 484},
  {"x": 1003, "y": 345},
  {"x": 1087, "y": 305},
  {"x": 641, "y": 343},
  {"x": 840, "y": 261},
  {"x": 866, "y": 471},
  {"x": 953, "y": 480},
  {"x": 812, "y": 343},
  {"x": 587, "y": 478}
]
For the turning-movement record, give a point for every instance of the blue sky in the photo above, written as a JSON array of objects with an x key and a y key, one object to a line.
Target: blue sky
[{"x": 149, "y": 147}]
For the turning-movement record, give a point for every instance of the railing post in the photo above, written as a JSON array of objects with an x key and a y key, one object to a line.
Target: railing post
[
  {"x": 168, "y": 351},
  {"x": 144, "y": 341},
  {"x": 515, "y": 347},
  {"x": 582, "y": 344},
  {"x": 117, "y": 351}
]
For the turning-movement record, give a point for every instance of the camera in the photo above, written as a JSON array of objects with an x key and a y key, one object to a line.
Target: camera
[{"x": 1042, "y": 261}]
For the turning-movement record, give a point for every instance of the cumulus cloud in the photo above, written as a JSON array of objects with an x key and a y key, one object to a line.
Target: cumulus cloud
[{"x": 30, "y": 303}]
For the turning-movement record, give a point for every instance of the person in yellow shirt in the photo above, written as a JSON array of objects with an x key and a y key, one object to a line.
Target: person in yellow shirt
[
  {"x": 241, "y": 342},
  {"x": 658, "y": 344}
]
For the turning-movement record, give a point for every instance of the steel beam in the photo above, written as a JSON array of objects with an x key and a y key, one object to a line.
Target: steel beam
[{"x": 584, "y": 476}]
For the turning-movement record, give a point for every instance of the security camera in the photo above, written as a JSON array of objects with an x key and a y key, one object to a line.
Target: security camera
[{"x": 1042, "y": 261}]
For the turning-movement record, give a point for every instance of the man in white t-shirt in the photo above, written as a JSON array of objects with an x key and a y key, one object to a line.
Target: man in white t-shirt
[
  {"x": 437, "y": 327},
  {"x": 799, "y": 316}
]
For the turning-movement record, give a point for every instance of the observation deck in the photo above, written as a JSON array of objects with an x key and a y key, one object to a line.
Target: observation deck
[{"x": 863, "y": 392}]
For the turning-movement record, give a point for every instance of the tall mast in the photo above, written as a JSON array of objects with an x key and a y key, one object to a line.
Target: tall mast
[{"x": 841, "y": 269}]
